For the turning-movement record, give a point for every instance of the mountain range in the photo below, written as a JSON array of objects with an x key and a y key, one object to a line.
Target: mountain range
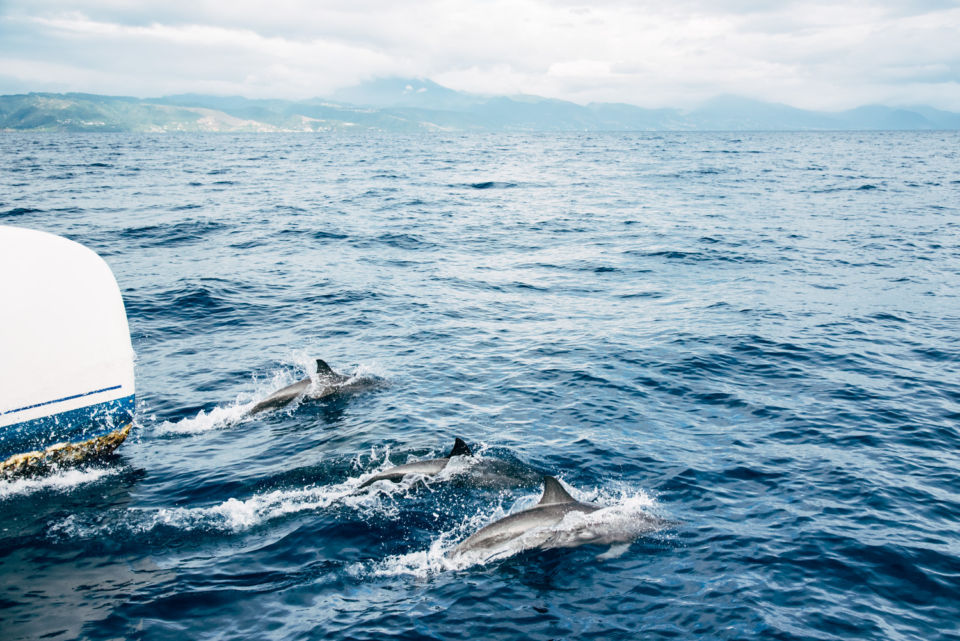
[{"x": 416, "y": 105}]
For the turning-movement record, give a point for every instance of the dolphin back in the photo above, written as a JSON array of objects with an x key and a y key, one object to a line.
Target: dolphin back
[
  {"x": 323, "y": 369},
  {"x": 459, "y": 449},
  {"x": 553, "y": 492},
  {"x": 396, "y": 474},
  {"x": 282, "y": 396},
  {"x": 555, "y": 503}
]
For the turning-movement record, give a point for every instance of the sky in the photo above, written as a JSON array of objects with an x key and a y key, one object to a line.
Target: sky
[{"x": 811, "y": 54}]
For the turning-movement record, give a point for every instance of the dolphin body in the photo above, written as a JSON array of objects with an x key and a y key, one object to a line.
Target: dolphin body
[
  {"x": 332, "y": 383},
  {"x": 536, "y": 524},
  {"x": 429, "y": 467}
]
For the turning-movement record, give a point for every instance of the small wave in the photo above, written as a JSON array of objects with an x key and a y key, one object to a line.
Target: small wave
[
  {"x": 223, "y": 416},
  {"x": 217, "y": 418},
  {"x": 209, "y": 300},
  {"x": 492, "y": 184},
  {"x": 328, "y": 235},
  {"x": 19, "y": 211},
  {"x": 706, "y": 255},
  {"x": 61, "y": 481},
  {"x": 232, "y": 515},
  {"x": 830, "y": 190},
  {"x": 400, "y": 241},
  {"x": 169, "y": 235},
  {"x": 238, "y": 515},
  {"x": 703, "y": 171}
]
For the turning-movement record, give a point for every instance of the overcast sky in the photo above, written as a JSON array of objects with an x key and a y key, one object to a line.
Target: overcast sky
[{"x": 828, "y": 55}]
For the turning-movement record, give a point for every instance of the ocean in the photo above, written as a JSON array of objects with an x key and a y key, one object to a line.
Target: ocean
[{"x": 751, "y": 336}]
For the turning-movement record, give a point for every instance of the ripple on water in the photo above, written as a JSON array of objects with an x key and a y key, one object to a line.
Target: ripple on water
[{"x": 751, "y": 336}]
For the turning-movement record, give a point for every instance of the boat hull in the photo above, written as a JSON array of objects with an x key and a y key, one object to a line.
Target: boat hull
[{"x": 66, "y": 360}]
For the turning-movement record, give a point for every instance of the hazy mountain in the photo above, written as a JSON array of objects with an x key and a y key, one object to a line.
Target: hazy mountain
[
  {"x": 385, "y": 93},
  {"x": 941, "y": 119},
  {"x": 414, "y": 105},
  {"x": 736, "y": 113},
  {"x": 880, "y": 117},
  {"x": 617, "y": 115}
]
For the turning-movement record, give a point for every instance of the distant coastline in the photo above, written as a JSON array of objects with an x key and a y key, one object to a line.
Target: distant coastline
[{"x": 409, "y": 106}]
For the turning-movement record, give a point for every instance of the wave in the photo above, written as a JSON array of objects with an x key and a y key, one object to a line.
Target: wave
[
  {"x": 173, "y": 234},
  {"x": 694, "y": 256},
  {"x": 235, "y": 515},
  {"x": 19, "y": 211},
  {"x": 492, "y": 184},
  {"x": 399, "y": 241},
  {"x": 207, "y": 300},
  {"x": 59, "y": 481},
  {"x": 219, "y": 417}
]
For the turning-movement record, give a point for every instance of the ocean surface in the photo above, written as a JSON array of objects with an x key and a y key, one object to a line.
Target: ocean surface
[{"x": 754, "y": 337}]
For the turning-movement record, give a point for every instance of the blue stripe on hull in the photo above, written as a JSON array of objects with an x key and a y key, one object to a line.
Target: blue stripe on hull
[
  {"x": 73, "y": 426},
  {"x": 61, "y": 400}
]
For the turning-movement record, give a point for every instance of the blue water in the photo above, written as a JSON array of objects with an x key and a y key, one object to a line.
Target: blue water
[{"x": 751, "y": 336}]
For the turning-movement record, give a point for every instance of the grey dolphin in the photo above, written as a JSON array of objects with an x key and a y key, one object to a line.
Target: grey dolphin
[
  {"x": 535, "y": 526},
  {"x": 497, "y": 474},
  {"x": 429, "y": 467},
  {"x": 332, "y": 383}
]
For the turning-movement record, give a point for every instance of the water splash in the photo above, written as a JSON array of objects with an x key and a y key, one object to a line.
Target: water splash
[
  {"x": 218, "y": 418},
  {"x": 60, "y": 481},
  {"x": 237, "y": 411},
  {"x": 237, "y": 515},
  {"x": 627, "y": 514}
]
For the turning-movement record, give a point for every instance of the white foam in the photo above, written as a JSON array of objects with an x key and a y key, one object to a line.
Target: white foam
[
  {"x": 224, "y": 416},
  {"x": 217, "y": 418},
  {"x": 373, "y": 369},
  {"x": 61, "y": 481},
  {"x": 235, "y": 515}
]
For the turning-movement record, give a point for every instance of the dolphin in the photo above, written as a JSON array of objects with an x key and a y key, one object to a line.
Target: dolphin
[
  {"x": 536, "y": 526},
  {"x": 497, "y": 474},
  {"x": 331, "y": 384},
  {"x": 429, "y": 467}
]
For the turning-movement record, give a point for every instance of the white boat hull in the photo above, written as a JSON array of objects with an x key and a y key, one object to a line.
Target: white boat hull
[{"x": 66, "y": 361}]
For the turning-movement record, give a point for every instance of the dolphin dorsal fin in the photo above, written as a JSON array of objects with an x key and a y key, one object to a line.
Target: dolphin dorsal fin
[
  {"x": 553, "y": 492},
  {"x": 459, "y": 449},
  {"x": 323, "y": 369}
]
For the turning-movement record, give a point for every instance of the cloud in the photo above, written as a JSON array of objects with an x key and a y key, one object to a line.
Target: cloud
[{"x": 818, "y": 55}]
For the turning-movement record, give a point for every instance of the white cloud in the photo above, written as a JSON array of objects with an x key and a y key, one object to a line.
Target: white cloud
[{"x": 823, "y": 55}]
